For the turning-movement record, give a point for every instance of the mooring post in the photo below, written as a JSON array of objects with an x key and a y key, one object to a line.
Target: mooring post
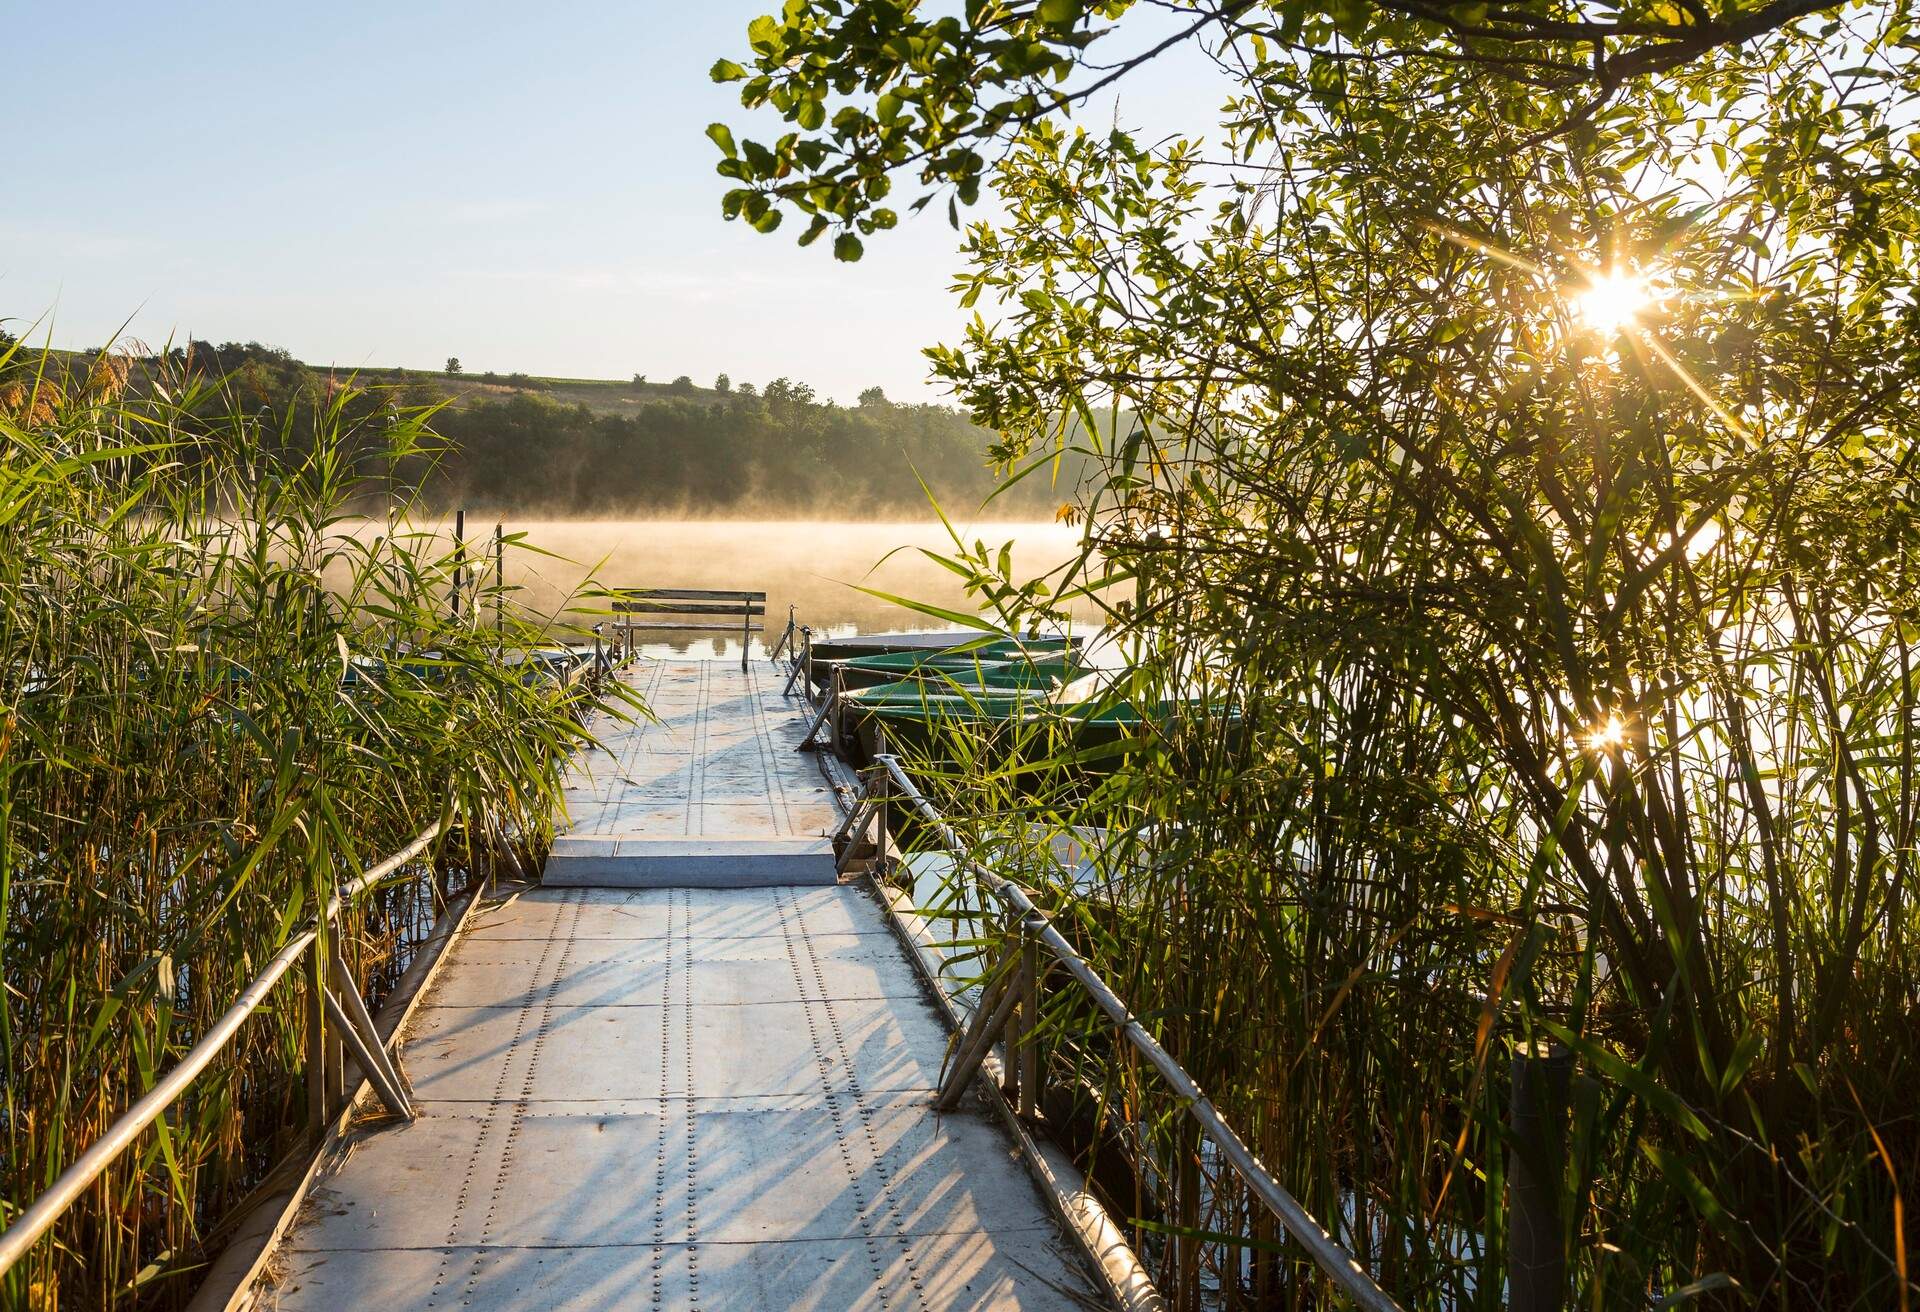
[{"x": 1536, "y": 1117}]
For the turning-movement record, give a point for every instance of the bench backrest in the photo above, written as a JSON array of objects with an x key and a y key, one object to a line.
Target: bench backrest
[{"x": 693, "y": 609}]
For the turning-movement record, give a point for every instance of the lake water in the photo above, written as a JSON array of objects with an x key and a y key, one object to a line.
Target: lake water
[{"x": 815, "y": 566}]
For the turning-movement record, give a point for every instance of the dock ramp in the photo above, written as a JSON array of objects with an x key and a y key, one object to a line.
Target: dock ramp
[
  {"x": 711, "y": 793},
  {"x": 713, "y": 1096}
]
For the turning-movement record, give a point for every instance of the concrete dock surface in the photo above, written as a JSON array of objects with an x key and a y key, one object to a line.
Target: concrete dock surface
[
  {"x": 710, "y": 792},
  {"x": 679, "y": 1097}
]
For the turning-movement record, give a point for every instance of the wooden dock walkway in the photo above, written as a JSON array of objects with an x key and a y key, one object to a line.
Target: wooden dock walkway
[{"x": 680, "y": 1097}]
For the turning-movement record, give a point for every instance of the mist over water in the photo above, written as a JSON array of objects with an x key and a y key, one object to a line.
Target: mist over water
[{"x": 815, "y": 566}]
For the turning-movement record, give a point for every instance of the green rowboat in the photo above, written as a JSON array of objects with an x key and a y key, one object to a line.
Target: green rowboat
[{"x": 971, "y": 669}]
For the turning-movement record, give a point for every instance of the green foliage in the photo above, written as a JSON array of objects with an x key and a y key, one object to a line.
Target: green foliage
[
  {"x": 873, "y": 88},
  {"x": 1572, "y": 655},
  {"x": 220, "y": 696}
]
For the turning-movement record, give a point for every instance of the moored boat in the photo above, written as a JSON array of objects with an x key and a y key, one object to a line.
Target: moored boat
[
  {"x": 934, "y": 641},
  {"x": 1091, "y": 727},
  {"x": 997, "y": 665}
]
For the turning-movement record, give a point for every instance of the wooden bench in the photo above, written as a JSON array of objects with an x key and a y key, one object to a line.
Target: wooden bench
[{"x": 692, "y": 609}]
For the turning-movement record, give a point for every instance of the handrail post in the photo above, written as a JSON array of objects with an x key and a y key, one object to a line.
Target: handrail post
[
  {"x": 317, "y": 1044},
  {"x": 1028, "y": 1035},
  {"x": 382, "y": 1070},
  {"x": 351, "y": 1020},
  {"x": 827, "y": 717},
  {"x": 32, "y": 1224},
  {"x": 1017, "y": 1020},
  {"x": 799, "y": 664},
  {"x": 336, "y": 1064},
  {"x": 882, "y": 863},
  {"x": 991, "y": 1014},
  {"x": 1339, "y": 1265},
  {"x": 1536, "y": 1254},
  {"x": 1186, "y": 1208},
  {"x": 332, "y": 1049}
]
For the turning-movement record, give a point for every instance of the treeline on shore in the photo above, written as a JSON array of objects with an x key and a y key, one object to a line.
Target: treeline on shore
[
  {"x": 783, "y": 449},
  {"x": 592, "y": 447}
]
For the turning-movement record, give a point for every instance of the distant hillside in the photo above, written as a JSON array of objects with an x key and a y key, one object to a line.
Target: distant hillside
[
  {"x": 581, "y": 446},
  {"x": 610, "y": 396}
]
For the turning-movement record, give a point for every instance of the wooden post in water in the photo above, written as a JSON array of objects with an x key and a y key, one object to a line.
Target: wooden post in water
[
  {"x": 1536, "y": 1115},
  {"x": 459, "y": 556},
  {"x": 499, "y": 578}
]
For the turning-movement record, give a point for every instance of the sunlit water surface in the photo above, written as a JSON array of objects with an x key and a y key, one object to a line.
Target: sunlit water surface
[{"x": 815, "y": 566}]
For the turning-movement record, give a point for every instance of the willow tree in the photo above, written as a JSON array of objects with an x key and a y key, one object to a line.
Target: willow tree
[{"x": 1519, "y": 433}]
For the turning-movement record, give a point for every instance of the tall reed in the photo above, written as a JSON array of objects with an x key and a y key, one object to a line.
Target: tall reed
[
  {"x": 1572, "y": 655},
  {"x": 1363, "y": 878},
  {"x": 220, "y": 694}
]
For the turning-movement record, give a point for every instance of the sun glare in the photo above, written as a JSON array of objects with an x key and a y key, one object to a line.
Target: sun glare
[
  {"x": 1610, "y": 735},
  {"x": 1611, "y": 301}
]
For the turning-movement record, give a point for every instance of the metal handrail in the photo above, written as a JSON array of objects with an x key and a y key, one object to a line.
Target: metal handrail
[
  {"x": 39, "y": 1218},
  {"x": 1326, "y": 1252}
]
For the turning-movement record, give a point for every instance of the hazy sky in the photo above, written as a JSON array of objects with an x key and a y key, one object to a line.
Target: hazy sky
[{"x": 525, "y": 186}]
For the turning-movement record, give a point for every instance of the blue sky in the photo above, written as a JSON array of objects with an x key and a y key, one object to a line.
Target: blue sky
[{"x": 525, "y": 186}]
